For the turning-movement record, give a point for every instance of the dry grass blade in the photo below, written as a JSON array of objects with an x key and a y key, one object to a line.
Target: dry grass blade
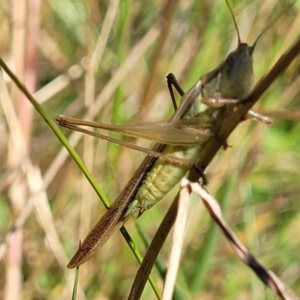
[
  {"x": 266, "y": 276},
  {"x": 177, "y": 243}
]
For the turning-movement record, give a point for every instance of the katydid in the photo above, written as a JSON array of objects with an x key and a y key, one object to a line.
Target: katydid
[{"x": 182, "y": 141}]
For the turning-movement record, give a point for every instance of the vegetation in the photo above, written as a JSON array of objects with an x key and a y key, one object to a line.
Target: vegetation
[{"x": 60, "y": 52}]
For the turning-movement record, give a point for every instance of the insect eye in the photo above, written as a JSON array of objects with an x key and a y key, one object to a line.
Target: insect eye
[{"x": 231, "y": 58}]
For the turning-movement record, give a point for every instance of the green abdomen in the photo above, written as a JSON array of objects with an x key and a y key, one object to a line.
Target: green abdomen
[{"x": 164, "y": 176}]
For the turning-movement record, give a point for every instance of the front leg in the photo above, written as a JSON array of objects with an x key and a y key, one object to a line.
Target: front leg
[
  {"x": 259, "y": 117},
  {"x": 216, "y": 103}
]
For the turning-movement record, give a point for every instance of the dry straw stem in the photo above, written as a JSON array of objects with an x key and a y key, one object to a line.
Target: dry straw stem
[{"x": 177, "y": 242}]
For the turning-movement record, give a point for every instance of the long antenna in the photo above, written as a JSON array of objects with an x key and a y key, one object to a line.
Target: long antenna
[
  {"x": 269, "y": 25},
  {"x": 234, "y": 22}
]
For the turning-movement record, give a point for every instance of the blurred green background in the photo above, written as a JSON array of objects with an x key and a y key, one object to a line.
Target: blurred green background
[{"x": 115, "y": 55}]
